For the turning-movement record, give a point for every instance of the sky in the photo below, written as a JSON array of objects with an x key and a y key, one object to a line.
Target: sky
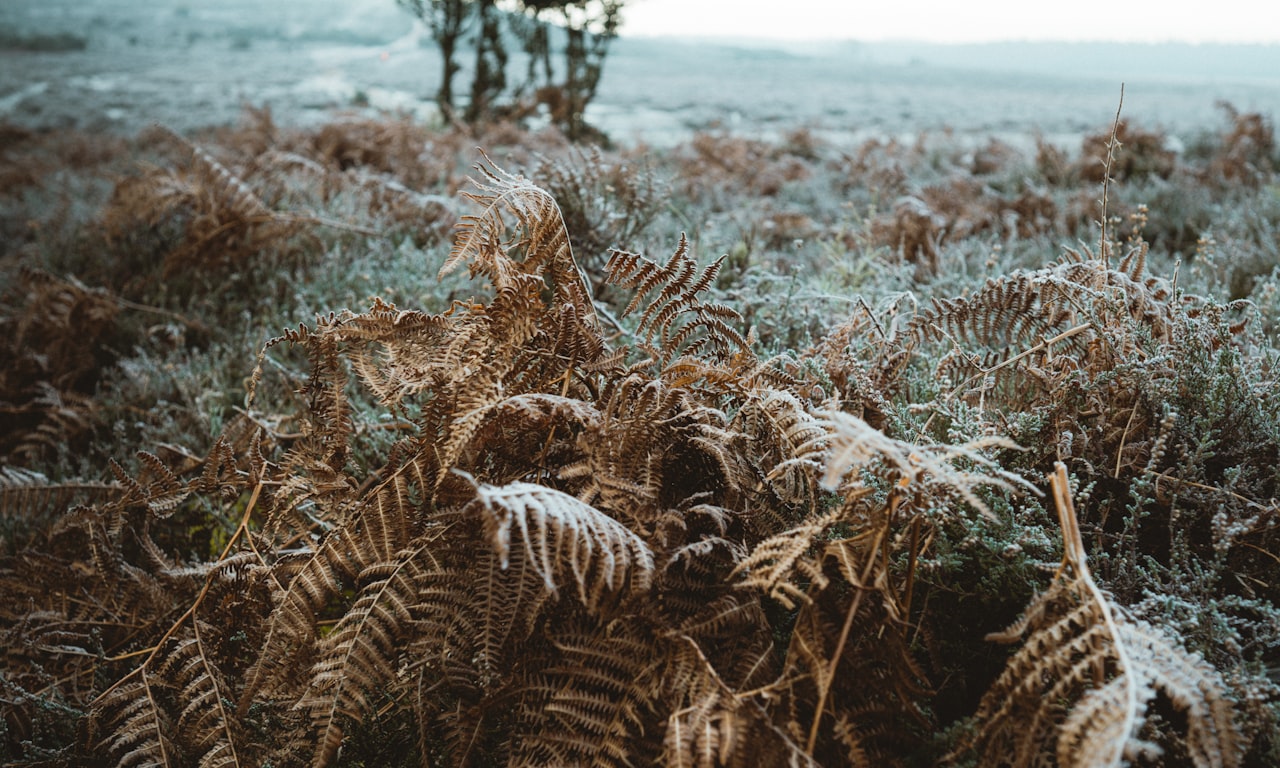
[{"x": 961, "y": 21}]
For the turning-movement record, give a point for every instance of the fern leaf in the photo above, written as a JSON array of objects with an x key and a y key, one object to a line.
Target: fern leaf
[
  {"x": 312, "y": 580},
  {"x": 856, "y": 447},
  {"x": 773, "y": 563},
  {"x": 27, "y": 495},
  {"x": 589, "y": 706},
  {"x": 362, "y": 654},
  {"x": 222, "y": 186},
  {"x": 1081, "y": 684},
  {"x": 484, "y": 244},
  {"x": 676, "y": 321},
  {"x": 796, "y": 440},
  {"x": 164, "y": 491},
  {"x": 715, "y": 726},
  {"x": 564, "y": 539},
  {"x": 138, "y": 727},
  {"x": 205, "y": 720}
]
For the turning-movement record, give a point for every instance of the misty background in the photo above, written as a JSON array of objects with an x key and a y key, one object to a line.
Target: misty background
[{"x": 119, "y": 65}]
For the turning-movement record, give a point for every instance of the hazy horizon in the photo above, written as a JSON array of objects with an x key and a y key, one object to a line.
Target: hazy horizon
[{"x": 1114, "y": 60}]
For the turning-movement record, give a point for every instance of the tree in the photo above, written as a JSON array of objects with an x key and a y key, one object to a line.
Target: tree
[
  {"x": 447, "y": 21},
  {"x": 490, "y": 78},
  {"x": 586, "y": 27},
  {"x": 589, "y": 27}
]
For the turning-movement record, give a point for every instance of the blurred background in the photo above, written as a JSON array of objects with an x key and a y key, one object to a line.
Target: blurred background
[{"x": 846, "y": 71}]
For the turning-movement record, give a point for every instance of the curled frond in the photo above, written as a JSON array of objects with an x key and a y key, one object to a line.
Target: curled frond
[{"x": 539, "y": 247}]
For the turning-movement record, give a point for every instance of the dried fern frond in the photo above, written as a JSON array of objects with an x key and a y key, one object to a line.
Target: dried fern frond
[
  {"x": 606, "y": 202},
  {"x": 132, "y": 724},
  {"x": 221, "y": 219},
  {"x": 393, "y": 349},
  {"x": 705, "y": 734},
  {"x": 66, "y": 322},
  {"x": 713, "y": 724},
  {"x": 589, "y": 706},
  {"x": 515, "y": 437},
  {"x": 849, "y": 663},
  {"x": 565, "y": 540},
  {"x": 306, "y": 582},
  {"x": 676, "y": 321},
  {"x": 219, "y": 183},
  {"x": 1086, "y": 676},
  {"x": 850, "y": 453},
  {"x": 777, "y": 563},
  {"x": 856, "y": 447},
  {"x": 654, "y": 448},
  {"x": 1035, "y": 326},
  {"x": 28, "y": 495},
  {"x": 794, "y": 442},
  {"x": 366, "y": 534},
  {"x": 362, "y": 655},
  {"x": 484, "y": 244},
  {"x": 1004, "y": 312},
  {"x": 206, "y": 717}
]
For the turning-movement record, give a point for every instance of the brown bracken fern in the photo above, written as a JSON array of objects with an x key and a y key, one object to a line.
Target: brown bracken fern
[
  {"x": 1081, "y": 686},
  {"x": 642, "y": 545}
]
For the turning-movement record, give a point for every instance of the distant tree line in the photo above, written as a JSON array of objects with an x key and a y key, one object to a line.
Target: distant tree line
[{"x": 577, "y": 32}]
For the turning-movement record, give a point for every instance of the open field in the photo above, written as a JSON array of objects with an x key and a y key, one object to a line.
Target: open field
[
  {"x": 190, "y": 65},
  {"x": 857, "y": 405}
]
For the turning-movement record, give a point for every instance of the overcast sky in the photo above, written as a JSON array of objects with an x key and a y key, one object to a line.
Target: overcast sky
[{"x": 1228, "y": 21}]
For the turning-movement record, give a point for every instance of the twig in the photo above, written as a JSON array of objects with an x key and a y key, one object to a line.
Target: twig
[
  {"x": 1112, "y": 146},
  {"x": 1124, "y": 437},
  {"x": 190, "y": 323},
  {"x": 824, "y": 682},
  {"x": 1244, "y": 499},
  {"x": 872, "y": 316}
]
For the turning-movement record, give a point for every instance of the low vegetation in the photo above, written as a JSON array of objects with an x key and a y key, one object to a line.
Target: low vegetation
[{"x": 355, "y": 445}]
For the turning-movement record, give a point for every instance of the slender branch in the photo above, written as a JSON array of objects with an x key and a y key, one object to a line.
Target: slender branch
[
  {"x": 824, "y": 682},
  {"x": 1112, "y": 146}
]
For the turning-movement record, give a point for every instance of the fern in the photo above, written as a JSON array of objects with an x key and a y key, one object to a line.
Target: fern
[
  {"x": 676, "y": 321},
  {"x": 1078, "y": 646},
  {"x": 135, "y": 724},
  {"x": 206, "y": 719},
  {"x": 483, "y": 244},
  {"x": 714, "y": 725},
  {"x": 590, "y": 706},
  {"x": 859, "y": 452},
  {"x": 359, "y": 657},
  {"x": 494, "y": 533},
  {"x": 565, "y": 540},
  {"x": 28, "y": 496}
]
